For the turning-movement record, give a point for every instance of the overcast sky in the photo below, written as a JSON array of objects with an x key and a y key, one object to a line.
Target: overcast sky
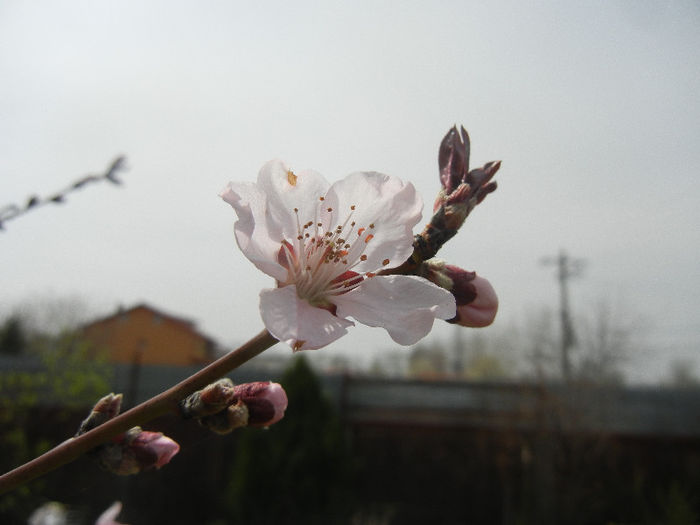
[{"x": 593, "y": 108}]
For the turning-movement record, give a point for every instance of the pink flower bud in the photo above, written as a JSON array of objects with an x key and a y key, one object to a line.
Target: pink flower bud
[
  {"x": 479, "y": 311},
  {"x": 153, "y": 449},
  {"x": 266, "y": 402},
  {"x": 476, "y": 299},
  {"x": 137, "y": 450}
]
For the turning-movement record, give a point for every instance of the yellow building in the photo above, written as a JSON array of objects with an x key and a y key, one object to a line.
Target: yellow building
[{"x": 144, "y": 335}]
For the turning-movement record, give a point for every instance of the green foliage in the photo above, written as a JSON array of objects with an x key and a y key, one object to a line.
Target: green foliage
[
  {"x": 677, "y": 507},
  {"x": 13, "y": 337},
  {"x": 297, "y": 471},
  {"x": 68, "y": 378},
  {"x": 76, "y": 374}
]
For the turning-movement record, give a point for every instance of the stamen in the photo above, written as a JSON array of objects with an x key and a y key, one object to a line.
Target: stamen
[{"x": 321, "y": 266}]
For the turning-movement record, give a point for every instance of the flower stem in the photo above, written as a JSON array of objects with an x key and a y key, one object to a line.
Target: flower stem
[{"x": 164, "y": 402}]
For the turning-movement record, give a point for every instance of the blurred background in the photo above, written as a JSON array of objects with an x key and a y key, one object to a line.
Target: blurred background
[{"x": 578, "y": 405}]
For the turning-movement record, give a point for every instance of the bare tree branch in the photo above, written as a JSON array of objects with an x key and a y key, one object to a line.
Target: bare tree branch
[{"x": 12, "y": 211}]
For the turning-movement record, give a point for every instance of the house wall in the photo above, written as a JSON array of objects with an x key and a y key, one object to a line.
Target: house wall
[{"x": 141, "y": 335}]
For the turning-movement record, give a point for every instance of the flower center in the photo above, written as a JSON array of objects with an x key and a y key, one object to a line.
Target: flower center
[{"x": 321, "y": 258}]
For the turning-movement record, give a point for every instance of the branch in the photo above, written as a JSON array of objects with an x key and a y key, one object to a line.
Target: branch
[
  {"x": 159, "y": 405},
  {"x": 12, "y": 211}
]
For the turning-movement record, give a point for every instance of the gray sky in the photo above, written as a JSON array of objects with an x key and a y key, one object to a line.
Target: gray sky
[{"x": 593, "y": 108}]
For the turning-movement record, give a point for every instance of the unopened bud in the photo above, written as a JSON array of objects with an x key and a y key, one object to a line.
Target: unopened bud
[
  {"x": 211, "y": 399},
  {"x": 453, "y": 158},
  {"x": 477, "y": 302},
  {"x": 481, "y": 311},
  {"x": 266, "y": 402},
  {"x": 104, "y": 410},
  {"x": 221, "y": 407},
  {"x": 137, "y": 450},
  {"x": 233, "y": 417},
  {"x": 453, "y": 161}
]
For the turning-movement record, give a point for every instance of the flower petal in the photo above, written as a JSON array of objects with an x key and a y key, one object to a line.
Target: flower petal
[
  {"x": 286, "y": 190},
  {"x": 256, "y": 237},
  {"x": 297, "y": 323},
  {"x": 266, "y": 211},
  {"x": 388, "y": 203},
  {"x": 405, "y": 305}
]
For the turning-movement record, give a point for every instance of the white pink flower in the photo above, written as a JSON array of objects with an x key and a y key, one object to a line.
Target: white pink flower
[
  {"x": 109, "y": 516},
  {"x": 324, "y": 245}
]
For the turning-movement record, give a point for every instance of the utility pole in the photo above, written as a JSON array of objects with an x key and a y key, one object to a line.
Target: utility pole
[{"x": 566, "y": 269}]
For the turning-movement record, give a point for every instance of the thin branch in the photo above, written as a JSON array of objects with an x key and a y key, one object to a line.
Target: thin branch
[
  {"x": 12, "y": 211},
  {"x": 159, "y": 405}
]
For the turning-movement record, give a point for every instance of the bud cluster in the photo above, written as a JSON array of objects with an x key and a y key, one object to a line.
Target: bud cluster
[
  {"x": 223, "y": 407},
  {"x": 461, "y": 191},
  {"x": 135, "y": 450}
]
